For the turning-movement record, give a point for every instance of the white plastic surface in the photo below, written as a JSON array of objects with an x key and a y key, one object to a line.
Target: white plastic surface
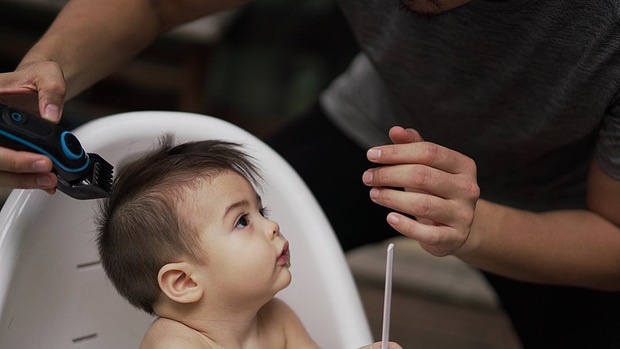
[{"x": 54, "y": 294}]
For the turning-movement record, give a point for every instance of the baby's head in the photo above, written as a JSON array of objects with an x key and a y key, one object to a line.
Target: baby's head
[{"x": 159, "y": 214}]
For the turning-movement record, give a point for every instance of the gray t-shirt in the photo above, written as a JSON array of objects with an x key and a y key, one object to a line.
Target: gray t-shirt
[{"x": 527, "y": 88}]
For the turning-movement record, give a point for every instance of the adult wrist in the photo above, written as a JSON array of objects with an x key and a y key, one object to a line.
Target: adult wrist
[{"x": 482, "y": 216}]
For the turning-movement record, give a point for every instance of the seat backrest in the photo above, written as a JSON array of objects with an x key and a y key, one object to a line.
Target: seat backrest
[{"x": 54, "y": 293}]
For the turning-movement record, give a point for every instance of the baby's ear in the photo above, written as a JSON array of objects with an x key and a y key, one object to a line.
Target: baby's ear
[{"x": 175, "y": 281}]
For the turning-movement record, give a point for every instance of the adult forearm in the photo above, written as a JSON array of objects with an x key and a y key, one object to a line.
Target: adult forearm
[
  {"x": 90, "y": 39},
  {"x": 571, "y": 247}
]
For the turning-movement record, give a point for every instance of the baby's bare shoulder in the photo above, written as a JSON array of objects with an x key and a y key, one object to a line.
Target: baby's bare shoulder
[
  {"x": 168, "y": 334},
  {"x": 276, "y": 308},
  {"x": 285, "y": 326}
]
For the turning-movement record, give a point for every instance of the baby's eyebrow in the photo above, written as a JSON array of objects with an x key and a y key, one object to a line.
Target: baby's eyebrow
[
  {"x": 242, "y": 203},
  {"x": 234, "y": 206}
]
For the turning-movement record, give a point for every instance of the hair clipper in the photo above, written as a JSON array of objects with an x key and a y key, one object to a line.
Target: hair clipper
[{"x": 80, "y": 175}]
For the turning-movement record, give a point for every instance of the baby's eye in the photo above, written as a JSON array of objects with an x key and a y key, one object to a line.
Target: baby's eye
[
  {"x": 264, "y": 211},
  {"x": 242, "y": 222}
]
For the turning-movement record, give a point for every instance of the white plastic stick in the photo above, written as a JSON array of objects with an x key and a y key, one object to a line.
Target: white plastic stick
[{"x": 387, "y": 297}]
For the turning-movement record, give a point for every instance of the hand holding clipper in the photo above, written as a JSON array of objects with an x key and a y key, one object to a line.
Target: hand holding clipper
[{"x": 80, "y": 175}]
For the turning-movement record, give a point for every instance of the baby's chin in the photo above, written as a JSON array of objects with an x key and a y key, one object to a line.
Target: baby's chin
[{"x": 286, "y": 280}]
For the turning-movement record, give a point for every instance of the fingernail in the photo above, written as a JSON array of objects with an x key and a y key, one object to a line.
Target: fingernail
[
  {"x": 373, "y": 154},
  {"x": 40, "y": 166},
  {"x": 367, "y": 177},
  {"x": 52, "y": 112},
  {"x": 44, "y": 182},
  {"x": 393, "y": 219},
  {"x": 374, "y": 193}
]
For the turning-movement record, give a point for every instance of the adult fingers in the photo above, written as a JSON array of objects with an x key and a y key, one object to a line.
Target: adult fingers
[
  {"x": 46, "y": 181},
  {"x": 52, "y": 90},
  {"x": 26, "y": 170},
  {"x": 377, "y": 345},
  {"x": 417, "y": 204},
  {"x": 439, "y": 240},
  {"x": 37, "y": 88},
  {"x": 441, "y": 226},
  {"x": 419, "y": 178},
  {"x": 23, "y": 162},
  {"x": 400, "y": 135},
  {"x": 424, "y": 153}
]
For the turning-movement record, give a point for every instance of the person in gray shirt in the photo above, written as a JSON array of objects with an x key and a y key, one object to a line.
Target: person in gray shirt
[
  {"x": 526, "y": 89},
  {"x": 508, "y": 156}
]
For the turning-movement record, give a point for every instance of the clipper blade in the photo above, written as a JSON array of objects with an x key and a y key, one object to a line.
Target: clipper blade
[{"x": 96, "y": 182}]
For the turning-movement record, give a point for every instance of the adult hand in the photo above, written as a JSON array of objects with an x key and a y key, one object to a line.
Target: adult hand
[
  {"x": 37, "y": 88},
  {"x": 377, "y": 345},
  {"x": 440, "y": 190}
]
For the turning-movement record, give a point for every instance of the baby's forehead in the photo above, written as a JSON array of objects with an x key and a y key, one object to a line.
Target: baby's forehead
[
  {"x": 221, "y": 178},
  {"x": 222, "y": 185},
  {"x": 209, "y": 178},
  {"x": 211, "y": 198}
]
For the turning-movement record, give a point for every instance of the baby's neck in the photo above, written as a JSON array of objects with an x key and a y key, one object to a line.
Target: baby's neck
[
  {"x": 222, "y": 327},
  {"x": 236, "y": 331}
]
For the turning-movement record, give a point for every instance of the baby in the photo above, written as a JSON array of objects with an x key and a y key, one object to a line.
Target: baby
[{"x": 184, "y": 236}]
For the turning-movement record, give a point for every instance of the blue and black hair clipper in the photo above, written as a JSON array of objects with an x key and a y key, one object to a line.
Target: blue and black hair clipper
[{"x": 80, "y": 175}]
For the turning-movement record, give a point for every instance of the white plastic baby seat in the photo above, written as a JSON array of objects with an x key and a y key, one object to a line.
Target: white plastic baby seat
[{"x": 54, "y": 294}]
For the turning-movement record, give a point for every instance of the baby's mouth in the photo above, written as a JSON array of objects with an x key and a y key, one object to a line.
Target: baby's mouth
[{"x": 285, "y": 256}]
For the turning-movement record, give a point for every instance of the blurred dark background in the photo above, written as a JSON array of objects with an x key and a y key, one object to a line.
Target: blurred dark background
[{"x": 258, "y": 67}]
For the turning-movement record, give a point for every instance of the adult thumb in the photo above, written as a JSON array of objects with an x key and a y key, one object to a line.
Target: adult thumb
[
  {"x": 51, "y": 98},
  {"x": 400, "y": 135}
]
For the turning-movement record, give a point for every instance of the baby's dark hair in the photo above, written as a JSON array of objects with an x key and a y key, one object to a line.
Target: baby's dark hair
[{"x": 140, "y": 226}]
